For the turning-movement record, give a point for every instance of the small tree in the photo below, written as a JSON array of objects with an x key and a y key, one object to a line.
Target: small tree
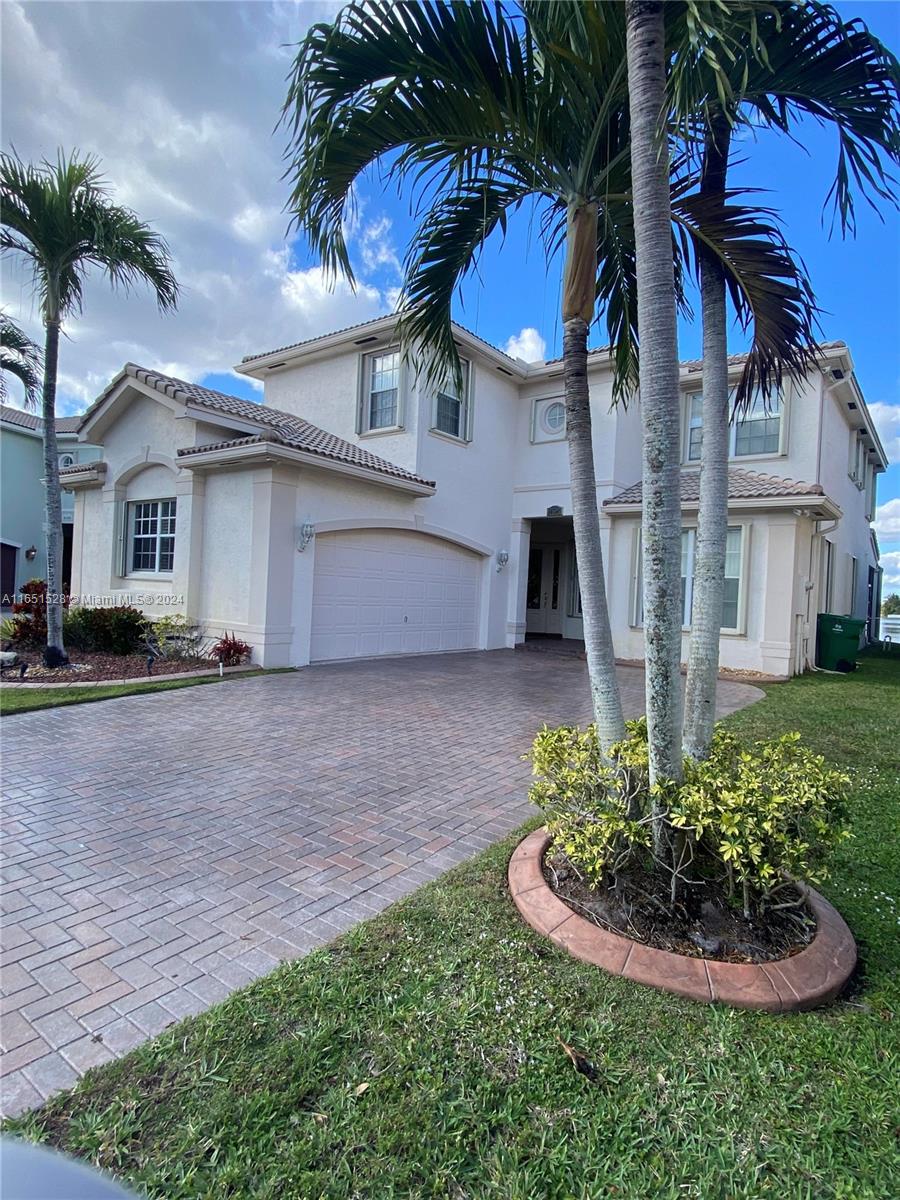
[
  {"x": 890, "y": 606},
  {"x": 60, "y": 218}
]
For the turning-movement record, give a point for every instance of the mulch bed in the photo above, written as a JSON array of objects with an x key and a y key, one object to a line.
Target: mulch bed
[
  {"x": 712, "y": 927},
  {"x": 90, "y": 667}
]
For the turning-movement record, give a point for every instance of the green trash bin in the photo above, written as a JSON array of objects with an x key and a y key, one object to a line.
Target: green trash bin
[{"x": 838, "y": 642}]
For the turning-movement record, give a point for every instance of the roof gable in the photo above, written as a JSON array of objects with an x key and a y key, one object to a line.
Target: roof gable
[{"x": 265, "y": 424}]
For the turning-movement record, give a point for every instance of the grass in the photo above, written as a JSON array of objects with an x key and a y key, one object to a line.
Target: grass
[
  {"x": 18, "y": 698},
  {"x": 420, "y": 1056}
]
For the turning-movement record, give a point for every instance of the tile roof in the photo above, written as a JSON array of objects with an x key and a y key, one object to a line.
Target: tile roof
[
  {"x": 249, "y": 358},
  {"x": 742, "y": 485},
  {"x": 27, "y": 420},
  {"x": 282, "y": 428},
  {"x": 734, "y": 360},
  {"x": 77, "y": 468}
]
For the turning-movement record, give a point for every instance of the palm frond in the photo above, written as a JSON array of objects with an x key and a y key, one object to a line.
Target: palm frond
[
  {"x": 767, "y": 284},
  {"x": 21, "y": 358},
  {"x": 60, "y": 217}
]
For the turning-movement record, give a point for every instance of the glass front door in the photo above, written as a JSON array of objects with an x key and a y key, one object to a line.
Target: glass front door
[{"x": 544, "y": 593}]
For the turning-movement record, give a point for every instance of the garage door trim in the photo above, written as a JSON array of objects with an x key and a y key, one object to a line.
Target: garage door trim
[{"x": 365, "y": 524}]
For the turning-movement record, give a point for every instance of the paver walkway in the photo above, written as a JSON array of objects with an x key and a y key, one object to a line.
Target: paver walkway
[{"x": 161, "y": 851}]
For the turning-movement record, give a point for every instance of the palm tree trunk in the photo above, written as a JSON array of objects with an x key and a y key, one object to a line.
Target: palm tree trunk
[
  {"x": 659, "y": 395},
  {"x": 579, "y": 291},
  {"x": 598, "y": 644},
  {"x": 55, "y": 654},
  {"x": 712, "y": 518}
]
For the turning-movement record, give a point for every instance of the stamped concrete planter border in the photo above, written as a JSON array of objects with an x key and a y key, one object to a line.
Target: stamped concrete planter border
[
  {"x": 95, "y": 683},
  {"x": 813, "y": 977}
]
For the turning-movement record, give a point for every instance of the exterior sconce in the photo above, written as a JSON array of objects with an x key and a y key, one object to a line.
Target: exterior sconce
[
  {"x": 502, "y": 559},
  {"x": 31, "y": 553},
  {"x": 305, "y": 536}
]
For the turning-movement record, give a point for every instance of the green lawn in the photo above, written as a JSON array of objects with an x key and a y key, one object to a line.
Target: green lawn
[
  {"x": 18, "y": 698},
  {"x": 420, "y": 1056}
]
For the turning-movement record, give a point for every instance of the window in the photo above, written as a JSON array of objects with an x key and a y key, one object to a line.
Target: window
[
  {"x": 451, "y": 409},
  {"x": 66, "y": 460},
  {"x": 574, "y": 589},
  {"x": 858, "y": 460},
  {"x": 151, "y": 542},
  {"x": 757, "y": 431},
  {"x": 548, "y": 420},
  {"x": 854, "y": 579},
  {"x": 731, "y": 603},
  {"x": 381, "y": 392}
]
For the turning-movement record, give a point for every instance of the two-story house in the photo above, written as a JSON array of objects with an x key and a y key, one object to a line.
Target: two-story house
[
  {"x": 359, "y": 512},
  {"x": 23, "y": 553}
]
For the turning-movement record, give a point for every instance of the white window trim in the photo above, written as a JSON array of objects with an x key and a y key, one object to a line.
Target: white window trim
[
  {"x": 465, "y": 437},
  {"x": 364, "y": 393},
  {"x": 544, "y": 439},
  {"x": 128, "y": 540},
  {"x": 781, "y": 452},
  {"x": 636, "y": 600}
]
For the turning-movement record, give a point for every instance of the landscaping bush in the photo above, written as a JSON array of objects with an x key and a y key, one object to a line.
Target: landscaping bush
[
  {"x": 757, "y": 816},
  {"x": 230, "y": 651},
  {"x": 174, "y": 637},
  {"x": 29, "y": 620},
  {"x": 118, "y": 630}
]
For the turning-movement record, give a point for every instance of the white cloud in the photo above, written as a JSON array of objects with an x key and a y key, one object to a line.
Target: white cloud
[
  {"x": 527, "y": 344},
  {"x": 887, "y": 519},
  {"x": 376, "y": 247},
  {"x": 890, "y": 562},
  {"x": 186, "y": 140},
  {"x": 887, "y": 422}
]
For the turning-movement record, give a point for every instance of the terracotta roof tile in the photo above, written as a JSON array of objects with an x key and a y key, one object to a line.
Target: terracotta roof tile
[
  {"x": 742, "y": 485},
  {"x": 27, "y": 420},
  {"x": 286, "y": 428}
]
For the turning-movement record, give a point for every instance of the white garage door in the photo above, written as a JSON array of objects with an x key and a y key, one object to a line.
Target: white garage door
[{"x": 390, "y": 592}]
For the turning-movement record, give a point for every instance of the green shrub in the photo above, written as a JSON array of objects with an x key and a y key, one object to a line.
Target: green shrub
[
  {"x": 758, "y": 816},
  {"x": 118, "y": 630},
  {"x": 174, "y": 637}
]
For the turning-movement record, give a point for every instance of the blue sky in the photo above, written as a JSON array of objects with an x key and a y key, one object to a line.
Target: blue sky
[{"x": 186, "y": 139}]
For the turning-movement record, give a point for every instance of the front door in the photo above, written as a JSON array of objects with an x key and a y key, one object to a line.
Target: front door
[{"x": 543, "y": 611}]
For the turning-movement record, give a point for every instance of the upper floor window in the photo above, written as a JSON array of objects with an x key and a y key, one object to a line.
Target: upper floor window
[
  {"x": 381, "y": 391},
  {"x": 451, "y": 407},
  {"x": 757, "y": 431},
  {"x": 66, "y": 460},
  {"x": 549, "y": 421},
  {"x": 151, "y": 536}
]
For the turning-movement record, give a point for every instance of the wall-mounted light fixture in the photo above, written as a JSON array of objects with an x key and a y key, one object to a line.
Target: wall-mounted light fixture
[
  {"x": 31, "y": 553},
  {"x": 502, "y": 559},
  {"x": 305, "y": 536}
]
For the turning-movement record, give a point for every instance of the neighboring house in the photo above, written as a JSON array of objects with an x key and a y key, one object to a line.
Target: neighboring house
[
  {"x": 22, "y": 542},
  {"x": 359, "y": 512}
]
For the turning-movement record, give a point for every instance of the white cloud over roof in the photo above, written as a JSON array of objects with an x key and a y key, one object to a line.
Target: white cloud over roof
[{"x": 179, "y": 102}]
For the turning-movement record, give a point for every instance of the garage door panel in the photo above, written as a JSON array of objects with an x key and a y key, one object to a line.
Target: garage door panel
[{"x": 392, "y": 592}]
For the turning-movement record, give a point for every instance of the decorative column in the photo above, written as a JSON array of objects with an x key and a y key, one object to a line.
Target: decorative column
[
  {"x": 270, "y": 603},
  {"x": 517, "y": 571}
]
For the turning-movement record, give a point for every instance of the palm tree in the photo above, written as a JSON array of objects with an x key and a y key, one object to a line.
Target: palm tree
[
  {"x": 463, "y": 97},
  {"x": 20, "y": 357},
  {"x": 492, "y": 110},
  {"x": 811, "y": 63},
  {"x": 660, "y": 393},
  {"x": 60, "y": 218}
]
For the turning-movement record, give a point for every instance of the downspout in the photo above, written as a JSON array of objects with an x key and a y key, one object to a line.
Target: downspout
[{"x": 816, "y": 541}]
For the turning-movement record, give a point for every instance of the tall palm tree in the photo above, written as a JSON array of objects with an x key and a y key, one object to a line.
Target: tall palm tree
[
  {"x": 481, "y": 105},
  {"x": 61, "y": 219},
  {"x": 19, "y": 357},
  {"x": 811, "y": 63},
  {"x": 486, "y": 109},
  {"x": 660, "y": 393}
]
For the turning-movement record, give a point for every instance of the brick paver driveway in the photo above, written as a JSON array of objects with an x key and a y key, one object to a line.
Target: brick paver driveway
[{"x": 161, "y": 851}]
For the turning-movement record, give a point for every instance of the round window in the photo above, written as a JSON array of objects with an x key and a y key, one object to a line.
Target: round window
[
  {"x": 66, "y": 460},
  {"x": 553, "y": 418}
]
